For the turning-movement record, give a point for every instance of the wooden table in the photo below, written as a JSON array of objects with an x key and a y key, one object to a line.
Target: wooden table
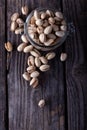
[{"x": 64, "y": 87}]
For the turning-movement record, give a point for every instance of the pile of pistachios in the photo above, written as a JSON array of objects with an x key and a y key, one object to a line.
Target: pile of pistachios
[{"x": 44, "y": 28}]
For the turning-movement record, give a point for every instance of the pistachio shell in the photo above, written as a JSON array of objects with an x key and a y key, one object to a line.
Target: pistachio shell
[
  {"x": 45, "y": 23},
  {"x": 32, "y": 29},
  {"x": 48, "y": 42},
  {"x": 59, "y": 15},
  {"x": 63, "y": 56},
  {"x": 49, "y": 13},
  {"x": 34, "y": 74},
  {"x": 44, "y": 68},
  {"x": 26, "y": 76},
  {"x": 43, "y": 15},
  {"x": 14, "y": 16},
  {"x": 41, "y": 103},
  {"x": 32, "y": 21},
  {"x": 13, "y": 26},
  {"x": 51, "y": 36},
  {"x": 48, "y": 30},
  {"x": 21, "y": 47},
  {"x": 60, "y": 33},
  {"x": 37, "y": 62},
  {"x": 8, "y": 46},
  {"x": 55, "y": 27},
  {"x": 30, "y": 69},
  {"x": 33, "y": 35},
  {"x": 34, "y": 82},
  {"x": 51, "y": 20},
  {"x": 24, "y": 38},
  {"x": 19, "y": 30},
  {"x": 43, "y": 60},
  {"x": 39, "y": 22},
  {"x": 28, "y": 49},
  {"x": 40, "y": 29},
  {"x": 63, "y": 22},
  {"x": 63, "y": 27},
  {"x": 50, "y": 55},
  {"x": 24, "y": 10},
  {"x": 36, "y": 15},
  {"x": 20, "y": 22},
  {"x": 30, "y": 61},
  {"x": 42, "y": 37}
]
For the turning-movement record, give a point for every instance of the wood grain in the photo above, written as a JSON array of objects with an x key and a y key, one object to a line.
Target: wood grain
[
  {"x": 74, "y": 48},
  {"x": 3, "y": 112},
  {"x": 64, "y": 87},
  {"x": 24, "y": 113}
]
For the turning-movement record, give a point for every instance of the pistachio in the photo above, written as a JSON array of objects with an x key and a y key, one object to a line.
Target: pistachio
[
  {"x": 33, "y": 53},
  {"x": 13, "y": 26},
  {"x": 48, "y": 42},
  {"x": 63, "y": 56},
  {"x": 30, "y": 69},
  {"x": 48, "y": 30},
  {"x": 30, "y": 61},
  {"x": 58, "y": 20},
  {"x": 55, "y": 27},
  {"x": 59, "y": 15},
  {"x": 43, "y": 15},
  {"x": 41, "y": 103},
  {"x": 33, "y": 35},
  {"x": 43, "y": 60},
  {"x": 44, "y": 68},
  {"x": 32, "y": 21},
  {"x": 45, "y": 23},
  {"x": 63, "y": 22},
  {"x": 20, "y": 22},
  {"x": 26, "y": 76},
  {"x": 8, "y": 46},
  {"x": 63, "y": 27},
  {"x": 51, "y": 36},
  {"x": 32, "y": 29},
  {"x": 34, "y": 82},
  {"x": 51, "y": 20},
  {"x": 21, "y": 47},
  {"x": 24, "y": 10},
  {"x": 40, "y": 29},
  {"x": 28, "y": 49},
  {"x": 37, "y": 62},
  {"x": 24, "y": 38},
  {"x": 36, "y": 15},
  {"x": 42, "y": 38},
  {"x": 14, "y": 16},
  {"x": 36, "y": 40},
  {"x": 60, "y": 33},
  {"x": 50, "y": 55},
  {"x": 19, "y": 30},
  {"x": 48, "y": 12},
  {"x": 34, "y": 74},
  {"x": 39, "y": 22},
  {"x": 38, "y": 52}
]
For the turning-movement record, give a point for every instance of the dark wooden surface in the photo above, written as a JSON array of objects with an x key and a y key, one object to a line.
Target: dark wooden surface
[{"x": 64, "y": 87}]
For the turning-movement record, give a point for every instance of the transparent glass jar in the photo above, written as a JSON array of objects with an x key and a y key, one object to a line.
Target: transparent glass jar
[{"x": 42, "y": 47}]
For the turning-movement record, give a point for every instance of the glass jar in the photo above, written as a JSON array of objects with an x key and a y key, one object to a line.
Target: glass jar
[{"x": 42, "y": 47}]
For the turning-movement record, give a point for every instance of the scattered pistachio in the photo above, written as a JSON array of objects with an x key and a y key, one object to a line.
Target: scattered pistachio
[
  {"x": 41, "y": 103},
  {"x": 8, "y": 46}
]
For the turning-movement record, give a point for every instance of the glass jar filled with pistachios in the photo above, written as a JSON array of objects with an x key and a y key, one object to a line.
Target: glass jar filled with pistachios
[{"x": 45, "y": 28}]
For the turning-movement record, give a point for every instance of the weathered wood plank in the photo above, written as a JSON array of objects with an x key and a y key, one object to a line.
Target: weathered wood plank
[
  {"x": 24, "y": 114},
  {"x": 74, "y": 48},
  {"x": 3, "y": 112}
]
